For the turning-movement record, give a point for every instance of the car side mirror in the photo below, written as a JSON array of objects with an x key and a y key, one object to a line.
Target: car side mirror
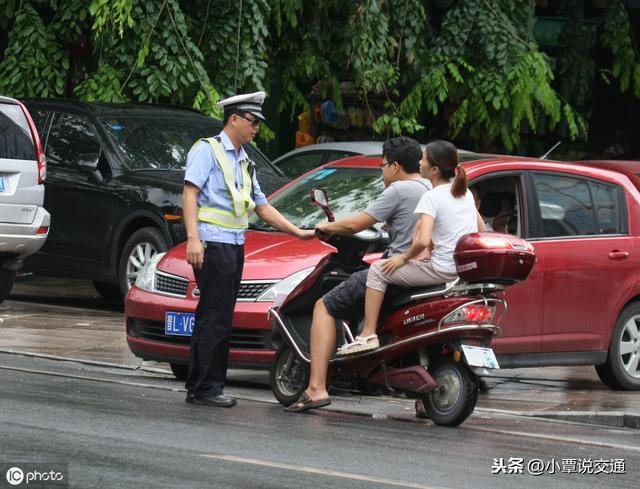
[
  {"x": 320, "y": 198},
  {"x": 88, "y": 162}
]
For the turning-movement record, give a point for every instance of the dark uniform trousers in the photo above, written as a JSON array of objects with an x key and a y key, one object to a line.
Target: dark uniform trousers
[{"x": 219, "y": 284}]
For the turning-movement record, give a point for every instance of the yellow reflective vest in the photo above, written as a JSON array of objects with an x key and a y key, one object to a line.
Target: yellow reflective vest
[{"x": 241, "y": 198}]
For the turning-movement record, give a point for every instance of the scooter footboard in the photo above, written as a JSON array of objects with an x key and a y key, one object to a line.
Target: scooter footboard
[{"x": 473, "y": 333}]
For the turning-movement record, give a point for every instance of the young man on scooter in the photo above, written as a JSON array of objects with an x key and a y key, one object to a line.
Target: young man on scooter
[{"x": 395, "y": 205}]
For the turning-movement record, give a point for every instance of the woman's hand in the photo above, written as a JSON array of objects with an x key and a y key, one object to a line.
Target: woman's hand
[
  {"x": 195, "y": 253},
  {"x": 392, "y": 264}
]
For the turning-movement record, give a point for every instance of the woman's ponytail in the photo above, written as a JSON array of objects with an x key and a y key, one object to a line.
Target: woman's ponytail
[
  {"x": 459, "y": 186},
  {"x": 444, "y": 155}
]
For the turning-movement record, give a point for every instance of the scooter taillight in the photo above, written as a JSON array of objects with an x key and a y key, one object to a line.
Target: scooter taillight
[{"x": 480, "y": 313}]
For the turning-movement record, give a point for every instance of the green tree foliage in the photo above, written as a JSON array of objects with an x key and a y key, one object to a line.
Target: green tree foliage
[{"x": 471, "y": 63}]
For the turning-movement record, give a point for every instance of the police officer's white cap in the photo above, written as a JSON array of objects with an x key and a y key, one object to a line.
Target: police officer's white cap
[{"x": 246, "y": 102}]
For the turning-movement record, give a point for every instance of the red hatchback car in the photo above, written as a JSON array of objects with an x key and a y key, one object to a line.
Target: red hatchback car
[{"x": 579, "y": 306}]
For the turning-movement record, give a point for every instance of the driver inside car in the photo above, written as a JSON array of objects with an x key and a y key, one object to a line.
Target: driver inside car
[{"x": 395, "y": 206}]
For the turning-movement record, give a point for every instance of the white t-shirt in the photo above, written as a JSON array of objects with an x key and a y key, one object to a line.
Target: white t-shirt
[{"x": 453, "y": 218}]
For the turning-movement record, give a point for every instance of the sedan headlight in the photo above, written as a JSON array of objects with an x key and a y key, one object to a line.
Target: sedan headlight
[
  {"x": 285, "y": 286},
  {"x": 146, "y": 279}
]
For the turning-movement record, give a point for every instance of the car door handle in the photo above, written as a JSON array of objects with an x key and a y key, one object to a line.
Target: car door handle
[{"x": 618, "y": 255}]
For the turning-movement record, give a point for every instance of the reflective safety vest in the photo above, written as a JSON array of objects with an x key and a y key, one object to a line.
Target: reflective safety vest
[{"x": 241, "y": 198}]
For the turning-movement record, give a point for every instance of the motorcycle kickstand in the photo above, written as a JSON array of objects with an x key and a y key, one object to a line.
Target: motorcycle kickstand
[{"x": 387, "y": 388}]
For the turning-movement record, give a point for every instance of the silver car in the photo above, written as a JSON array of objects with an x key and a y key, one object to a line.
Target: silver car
[
  {"x": 301, "y": 160},
  {"x": 24, "y": 223}
]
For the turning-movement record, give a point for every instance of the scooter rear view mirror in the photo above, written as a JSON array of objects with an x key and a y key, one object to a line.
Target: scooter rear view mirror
[{"x": 320, "y": 198}]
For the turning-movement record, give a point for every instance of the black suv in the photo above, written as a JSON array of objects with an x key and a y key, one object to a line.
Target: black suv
[{"x": 114, "y": 185}]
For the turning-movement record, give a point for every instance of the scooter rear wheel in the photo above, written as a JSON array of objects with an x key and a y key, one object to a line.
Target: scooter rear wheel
[
  {"x": 455, "y": 398},
  {"x": 288, "y": 376}
]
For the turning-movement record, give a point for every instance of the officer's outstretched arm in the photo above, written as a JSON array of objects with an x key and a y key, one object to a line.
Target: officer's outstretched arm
[{"x": 271, "y": 216}]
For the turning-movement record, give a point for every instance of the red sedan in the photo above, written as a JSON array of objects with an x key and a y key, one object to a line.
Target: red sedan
[{"x": 579, "y": 306}]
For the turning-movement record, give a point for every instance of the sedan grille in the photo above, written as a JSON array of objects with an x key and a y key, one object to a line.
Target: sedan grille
[
  {"x": 252, "y": 290},
  {"x": 241, "y": 338},
  {"x": 171, "y": 284}
]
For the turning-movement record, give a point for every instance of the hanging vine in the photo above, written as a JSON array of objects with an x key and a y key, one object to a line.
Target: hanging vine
[{"x": 471, "y": 65}]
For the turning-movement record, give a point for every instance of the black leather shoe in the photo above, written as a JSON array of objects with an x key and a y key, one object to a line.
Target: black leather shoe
[
  {"x": 221, "y": 400},
  {"x": 189, "y": 397}
]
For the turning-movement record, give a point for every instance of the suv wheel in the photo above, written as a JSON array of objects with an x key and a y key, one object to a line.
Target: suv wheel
[
  {"x": 137, "y": 252},
  {"x": 108, "y": 291},
  {"x": 7, "y": 277}
]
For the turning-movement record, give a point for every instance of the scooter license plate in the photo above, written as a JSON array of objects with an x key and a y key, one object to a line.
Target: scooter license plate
[
  {"x": 478, "y": 356},
  {"x": 179, "y": 323}
]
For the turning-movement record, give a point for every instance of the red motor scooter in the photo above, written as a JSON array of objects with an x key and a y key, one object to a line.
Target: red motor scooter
[{"x": 434, "y": 341}]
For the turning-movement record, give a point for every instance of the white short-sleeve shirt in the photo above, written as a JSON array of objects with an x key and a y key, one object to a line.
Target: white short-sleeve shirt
[{"x": 453, "y": 218}]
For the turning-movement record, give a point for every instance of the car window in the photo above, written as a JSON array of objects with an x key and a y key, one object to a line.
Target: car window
[
  {"x": 350, "y": 190},
  {"x": 158, "y": 141},
  {"x": 498, "y": 201},
  {"x": 263, "y": 165},
  {"x": 299, "y": 164},
  {"x": 608, "y": 201},
  {"x": 39, "y": 117},
  {"x": 16, "y": 142},
  {"x": 72, "y": 140},
  {"x": 338, "y": 155},
  {"x": 162, "y": 141},
  {"x": 571, "y": 206}
]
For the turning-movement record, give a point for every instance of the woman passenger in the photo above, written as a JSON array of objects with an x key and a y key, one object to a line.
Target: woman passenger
[{"x": 446, "y": 214}]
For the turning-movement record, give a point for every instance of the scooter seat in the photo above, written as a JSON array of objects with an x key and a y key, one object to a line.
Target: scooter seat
[{"x": 397, "y": 296}]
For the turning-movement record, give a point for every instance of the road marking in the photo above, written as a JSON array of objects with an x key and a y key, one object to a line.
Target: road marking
[{"x": 314, "y": 470}]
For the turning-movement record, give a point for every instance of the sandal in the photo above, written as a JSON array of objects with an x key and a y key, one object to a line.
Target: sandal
[
  {"x": 305, "y": 403},
  {"x": 359, "y": 345}
]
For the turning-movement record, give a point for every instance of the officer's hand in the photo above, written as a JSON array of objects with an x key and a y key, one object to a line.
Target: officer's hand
[
  {"x": 321, "y": 233},
  {"x": 195, "y": 253},
  {"x": 306, "y": 234}
]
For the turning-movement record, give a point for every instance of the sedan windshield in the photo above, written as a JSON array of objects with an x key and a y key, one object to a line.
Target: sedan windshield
[{"x": 350, "y": 191}]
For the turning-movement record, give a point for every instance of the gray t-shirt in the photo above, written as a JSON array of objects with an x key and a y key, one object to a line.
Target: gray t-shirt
[{"x": 396, "y": 206}]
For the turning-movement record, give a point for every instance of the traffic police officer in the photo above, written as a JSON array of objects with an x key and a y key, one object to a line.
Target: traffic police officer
[{"x": 220, "y": 189}]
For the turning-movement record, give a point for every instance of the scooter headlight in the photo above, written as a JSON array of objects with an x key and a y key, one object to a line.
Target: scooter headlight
[
  {"x": 285, "y": 286},
  {"x": 146, "y": 279}
]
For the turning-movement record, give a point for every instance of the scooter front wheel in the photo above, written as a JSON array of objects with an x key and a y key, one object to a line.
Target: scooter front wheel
[
  {"x": 288, "y": 376},
  {"x": 455, "y": 398}
]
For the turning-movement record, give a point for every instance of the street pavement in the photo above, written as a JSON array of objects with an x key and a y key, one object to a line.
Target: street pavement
[
  {"x": 121, "y": 428},
  {"x": 67, "y": 319}
]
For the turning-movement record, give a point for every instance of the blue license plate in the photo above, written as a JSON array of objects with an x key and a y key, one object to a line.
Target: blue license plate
[
  {"x": 2, "y": 188},
  {"x": 179, "y": 323}
]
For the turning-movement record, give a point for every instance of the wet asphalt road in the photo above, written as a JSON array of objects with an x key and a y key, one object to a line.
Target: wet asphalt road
[{"x": 122, "y": 428}]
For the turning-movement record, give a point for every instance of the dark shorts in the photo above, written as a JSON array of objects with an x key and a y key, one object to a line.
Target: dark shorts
[{"x": 346, "y": 301}]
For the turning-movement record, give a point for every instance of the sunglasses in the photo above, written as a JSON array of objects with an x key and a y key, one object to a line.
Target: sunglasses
[{"x": 254, "y": 122}]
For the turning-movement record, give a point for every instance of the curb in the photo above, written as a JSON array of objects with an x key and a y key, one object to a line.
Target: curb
[{"x": 614, "y": 419}]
